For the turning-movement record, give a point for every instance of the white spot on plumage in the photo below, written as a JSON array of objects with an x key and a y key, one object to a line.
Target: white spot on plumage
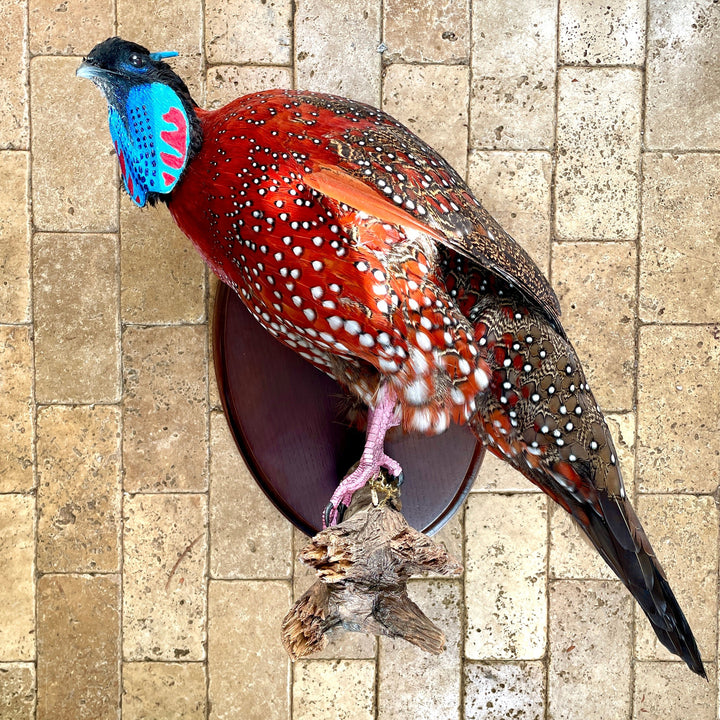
[
  {"x": 421, "y": 420},
  {"x": 425, "y": 343},
  {"x": 418, "y": 361},
  {"x": 388, "y": 366},
  {"x": 416, "y": 392}
]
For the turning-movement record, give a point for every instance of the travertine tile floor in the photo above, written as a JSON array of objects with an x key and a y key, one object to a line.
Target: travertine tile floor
[{"x": 143, "y": 573}]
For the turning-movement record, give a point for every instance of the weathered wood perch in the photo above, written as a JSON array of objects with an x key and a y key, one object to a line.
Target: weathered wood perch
[{"x": 363, "y": 565}]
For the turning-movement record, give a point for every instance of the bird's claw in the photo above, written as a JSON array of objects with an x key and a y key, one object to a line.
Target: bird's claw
[{"x": 330, "y": 511}]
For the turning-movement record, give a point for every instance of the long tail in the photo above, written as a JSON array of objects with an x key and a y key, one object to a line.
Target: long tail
[
  {"x": 610, "y": 522},
  {"x": 539, "y": 415}
]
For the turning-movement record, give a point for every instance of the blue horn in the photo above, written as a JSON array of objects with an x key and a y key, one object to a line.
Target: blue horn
[{"x": 162, "y": 55}]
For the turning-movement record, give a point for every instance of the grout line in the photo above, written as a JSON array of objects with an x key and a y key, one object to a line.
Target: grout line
[
  {"x": 462, "y": 698},
  {"x": 463, "y": 605},
  {"x": 381, "y": 104},
  {"x": 30, "y": 230},
  {"x": 293, "y": 31},
  {"x": 636, "y": 349},
  {"x": 121, "y": 469},
  {"x": 553, "y": 234}
]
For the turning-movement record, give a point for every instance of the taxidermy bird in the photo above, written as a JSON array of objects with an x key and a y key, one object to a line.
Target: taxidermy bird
[{"x": 357, "y": 245}]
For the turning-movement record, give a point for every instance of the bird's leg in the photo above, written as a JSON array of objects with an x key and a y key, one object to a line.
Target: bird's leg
[{"x": 381, "y": 418}]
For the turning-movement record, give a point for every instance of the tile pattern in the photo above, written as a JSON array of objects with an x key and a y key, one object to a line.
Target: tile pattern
[{"x": 144, "y": 574}]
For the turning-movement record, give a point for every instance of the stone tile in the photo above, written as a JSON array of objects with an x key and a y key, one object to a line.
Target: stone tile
[
  {"x": 598, "y": 135},
  {"x": 77, "y": 353},
  {"x": 16, "y": 411},
  {"x": 172, "y": 691},
  {"x": 343, "y": 689},
  {"x": 79, "y": 489},
  {"x": 431, "y": 100},
  {"x": 71, "y": 27},
  {"x": 501, "y": 691},
  {"x": 498, "y": 476},
  {"x": 213, "y": 390},
  {"x": 411, "y": 678},
  {"x": 426, "y": 31},
  {"x": 667, "y": 690},
  {"x": 684, "y": 532},
  {"x": 17, "y": 591},
  {"x": 677, "y": 435},
  {"x": 248, "y": 668},
  {"x": 227, "y": 82},
  {"x": 679, "y": 249},
  {"x": 342, "y": 644},
  {"x": 162, "y": 275},
  {"x": 590, "y": 649},
  {"x": 515, "y": 189},
  {"x": 505, "y": 582},
  {"x": 513, "y": 90},
  {"x": 250, "y": 537},
  {"x": 336, "y": 48},
  {"x": 14, "y": 237},
  {"x": 682, "y": 104},
  {"x": 248, "y": 31},
  {"x": 602, "y": 32},
  {"x": 74, "y": 179},
  {"x": 451, "y": 535},
  {"x": 595, "y": 283},
  {"x": 174, "y": 26},
  {"x": 14, "y": 121},
  {"x": 17, "y": 691},
  {"x": 78, "y": 669},
  {"x": 164, "y": 603},
  {"x": 164, "y": 421},
  {"x": 571, "y": 553}
]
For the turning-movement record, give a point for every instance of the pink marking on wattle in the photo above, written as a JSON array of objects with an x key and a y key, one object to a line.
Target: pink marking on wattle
[
  {"x": 176, "y": 139},
  {"x": 169, "y": 179},
  {"x": 172, "y": 161},
  {"x": 131, "y": 187},
  {"x": 121, "y": 160}
]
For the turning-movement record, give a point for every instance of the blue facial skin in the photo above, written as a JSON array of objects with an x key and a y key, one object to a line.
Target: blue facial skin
[
  {"x": 151, "y": 139},
  {"x": 149, "y": 124}
]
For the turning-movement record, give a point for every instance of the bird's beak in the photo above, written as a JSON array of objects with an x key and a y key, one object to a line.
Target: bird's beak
[{"x": 89, "y": 71}]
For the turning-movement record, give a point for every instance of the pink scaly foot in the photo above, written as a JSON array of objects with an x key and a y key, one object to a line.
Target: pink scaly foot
[{"x": 380, "y": 419}]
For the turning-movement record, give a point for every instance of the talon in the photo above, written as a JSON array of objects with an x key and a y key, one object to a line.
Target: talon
[
  {"x": 326, "y": 514},
  {"x": 341, "y": 508}
]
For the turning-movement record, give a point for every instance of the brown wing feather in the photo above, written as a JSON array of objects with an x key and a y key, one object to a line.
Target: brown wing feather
[{"x": 402, "y": 170}]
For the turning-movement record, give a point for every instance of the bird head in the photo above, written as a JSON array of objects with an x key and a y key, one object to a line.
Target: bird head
[{"x": 152, "y": 116}]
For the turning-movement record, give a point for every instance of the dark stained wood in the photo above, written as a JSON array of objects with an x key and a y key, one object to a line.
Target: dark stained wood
[{"x": 287, "y": 420}]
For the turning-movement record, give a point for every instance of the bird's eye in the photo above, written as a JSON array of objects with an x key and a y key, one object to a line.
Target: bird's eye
[{"x": 136, "y": 60}]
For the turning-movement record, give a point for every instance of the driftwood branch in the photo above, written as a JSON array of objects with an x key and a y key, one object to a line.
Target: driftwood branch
[{"x": 363, "y": 565}]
